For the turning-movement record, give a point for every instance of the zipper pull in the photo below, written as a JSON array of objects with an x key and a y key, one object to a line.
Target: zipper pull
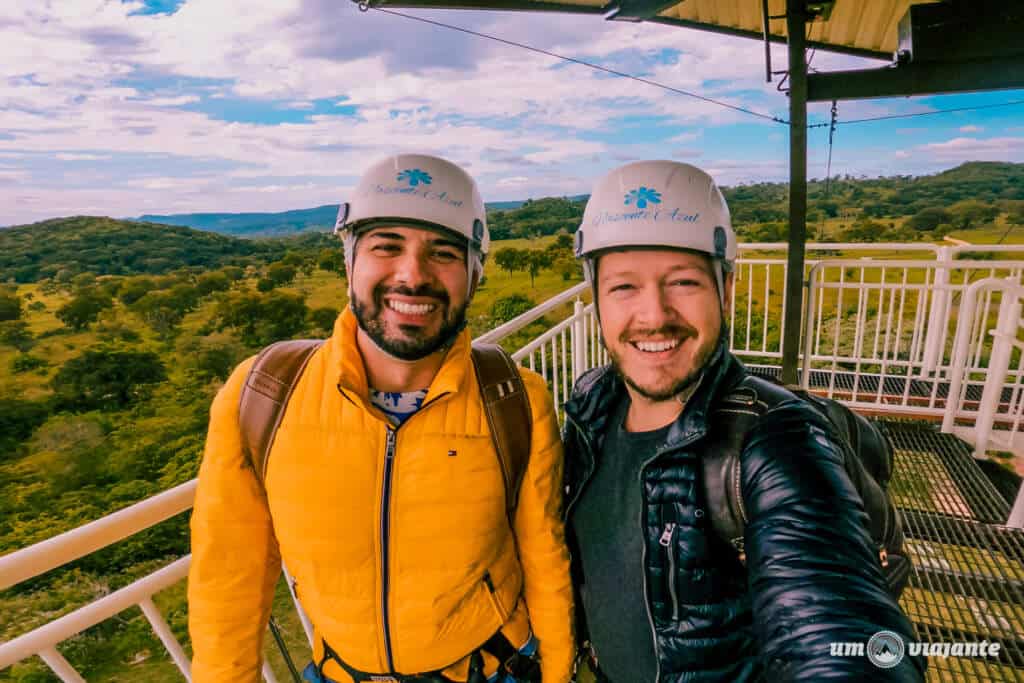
[{"x": 666, "y": 535}]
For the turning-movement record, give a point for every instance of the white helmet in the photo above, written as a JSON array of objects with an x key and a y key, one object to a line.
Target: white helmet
[
  {"x": 657, "y": 204},
  {"x": 416, "y": 190}
]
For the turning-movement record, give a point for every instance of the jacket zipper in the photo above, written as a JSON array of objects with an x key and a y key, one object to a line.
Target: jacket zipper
[
  {"x": 643, "y": 566},
  {"x": 643, "y": 572},
  {"x": 385, "y": 523},
  {"x": 668, "y": 537},
  {"x": 385, "y": 530}
]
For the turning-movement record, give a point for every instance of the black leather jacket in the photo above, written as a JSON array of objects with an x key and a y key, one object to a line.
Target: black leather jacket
[{"x": 812, "y": 576}]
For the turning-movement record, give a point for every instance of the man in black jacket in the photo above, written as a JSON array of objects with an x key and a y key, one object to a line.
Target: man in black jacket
[{"x": 662, "y": 597}]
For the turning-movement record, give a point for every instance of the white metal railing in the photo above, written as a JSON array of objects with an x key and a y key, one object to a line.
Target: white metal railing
[
  {"x": 47, "y": 555},
  {"x": 1007, "y": 350},
  {"x": 759, "y": 290},
  {"x": 902, "y": 345},
  {"x": 879, "y": 333}
]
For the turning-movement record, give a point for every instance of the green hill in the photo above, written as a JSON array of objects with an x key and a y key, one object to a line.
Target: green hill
[
  {"x": 105, "y": 246},
  {"x": 254, "y": 224}
]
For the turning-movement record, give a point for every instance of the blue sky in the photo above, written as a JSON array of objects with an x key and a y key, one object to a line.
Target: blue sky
[{"x": 165, "y": 106}]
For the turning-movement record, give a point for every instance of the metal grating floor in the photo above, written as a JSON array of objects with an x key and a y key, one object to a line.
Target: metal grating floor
[
  {"x": 968, "y": 579},
  {"x": 867, "y": 384}
]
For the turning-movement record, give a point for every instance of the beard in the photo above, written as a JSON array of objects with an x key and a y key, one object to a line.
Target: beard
[
  {"x": 413, "y": 342},
  {"x": 677, "y": 385}
]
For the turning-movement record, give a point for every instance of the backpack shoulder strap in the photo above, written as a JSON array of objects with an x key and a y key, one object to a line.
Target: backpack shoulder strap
[
  {"x": 508, "y": 415},
  {"x": 734, "y": 415},
  {"x": 265, "y": 394}
]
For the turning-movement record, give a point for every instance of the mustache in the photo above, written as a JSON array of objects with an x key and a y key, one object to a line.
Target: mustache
[
  {"x": 681, "y": 330},
  {"x": 424, "y": 290}
]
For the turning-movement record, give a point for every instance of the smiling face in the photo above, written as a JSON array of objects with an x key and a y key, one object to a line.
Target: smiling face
[
  {"x": 409, "y": 289},
  {"x": 661, "y": 317}
]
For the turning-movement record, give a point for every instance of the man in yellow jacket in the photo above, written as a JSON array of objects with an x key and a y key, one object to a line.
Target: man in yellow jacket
[{"x": 383, "y": 494}]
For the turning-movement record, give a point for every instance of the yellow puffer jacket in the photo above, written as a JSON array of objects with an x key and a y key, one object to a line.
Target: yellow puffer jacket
[{"x": 381, "y": 563}]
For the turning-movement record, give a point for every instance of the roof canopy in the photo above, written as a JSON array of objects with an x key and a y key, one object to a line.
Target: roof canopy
[{"x": 861, "y": 27}]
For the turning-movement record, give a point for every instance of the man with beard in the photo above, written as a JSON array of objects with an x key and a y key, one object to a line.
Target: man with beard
[
  {"x": 662, "y": 597},
  {"x": 384, "y": 496}
]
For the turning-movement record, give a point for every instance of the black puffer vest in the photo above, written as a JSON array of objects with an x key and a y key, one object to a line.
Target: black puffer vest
[{"x": 714, "y": 619}]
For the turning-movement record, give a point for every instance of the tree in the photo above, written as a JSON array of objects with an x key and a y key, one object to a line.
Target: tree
[
  {"x": 281, "y": 274},
  {"x": 567, "y": 266},
  {"x": 233, "y": 273},
  {"x": 16, "y": 333},
  {"x": 10, "y": 307},
  {"x": 162, "y": 311},
  {"x": 323, "y": 318},
  {"x": 508, "y": 307},
  {"x": 217, "y": 281},
  {"x": 769, "y": 232},
  {"x": 564, "y": 241},
  {"x": 216, "y": 362},
  {"x": 83, "y": 310},
  {"x": 1014, "y": 211},
  {"x": 331, "y": 260},
  {"x": 18, "y": 419},
  {"x": 536, "y": 260},
  {"x": 107, "y": 379},
  {"x": 929, "y": 218},
  {"x": 864, "y": 231},
  {"x": 262, "y": 318},
  {"x": 134, "y": 288},
  {"x": 970, "y": 213},
  {"x": 510, "y": 259}
]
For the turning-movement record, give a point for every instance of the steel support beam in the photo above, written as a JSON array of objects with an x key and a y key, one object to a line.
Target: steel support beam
[
  {"x": 795, "y": 25},
  {"x": 917, "y": 78}
]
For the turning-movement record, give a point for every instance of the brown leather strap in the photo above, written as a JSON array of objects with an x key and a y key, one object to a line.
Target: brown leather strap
[
  {"x": 508, "y": 415},
  {"x": 265, "y": 394}
]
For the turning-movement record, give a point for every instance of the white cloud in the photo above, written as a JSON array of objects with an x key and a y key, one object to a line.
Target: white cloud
[
  {"x": 66, "y": 156},
  {"x": 974, "y": 149},
  {"x": 971, "y": 129},
  {"x": 513, "y": 181},
  {"x": 171, "y": 101}
]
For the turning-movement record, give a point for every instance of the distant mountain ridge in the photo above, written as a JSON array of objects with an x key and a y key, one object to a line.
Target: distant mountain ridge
[{"x": 280, "y": 224}]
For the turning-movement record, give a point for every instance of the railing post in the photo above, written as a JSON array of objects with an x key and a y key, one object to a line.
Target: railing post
[
  {"x": 60, "y": 666},
  {"x": 941, "y": 299},
  {"x": 805, "y": 373},
  {"x": 166, "y": 636},
  {"x": 579, "y": 341},
  {"x": 1016, "y": 519},
  {"x": 998, "y": 366}
]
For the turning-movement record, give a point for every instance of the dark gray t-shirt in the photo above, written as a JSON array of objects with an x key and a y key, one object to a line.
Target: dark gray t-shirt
[{"x": 608, "y": 528}]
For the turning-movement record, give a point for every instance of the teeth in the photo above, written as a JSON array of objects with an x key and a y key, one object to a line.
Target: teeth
[
  {"x": 414, "y": 309},
  {"x": 657, "y": 346}
]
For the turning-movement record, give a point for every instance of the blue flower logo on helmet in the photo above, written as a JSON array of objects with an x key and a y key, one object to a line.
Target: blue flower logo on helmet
[
  {"x": 414, "y": 177},
  {"x": 642, "y": 196}
]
